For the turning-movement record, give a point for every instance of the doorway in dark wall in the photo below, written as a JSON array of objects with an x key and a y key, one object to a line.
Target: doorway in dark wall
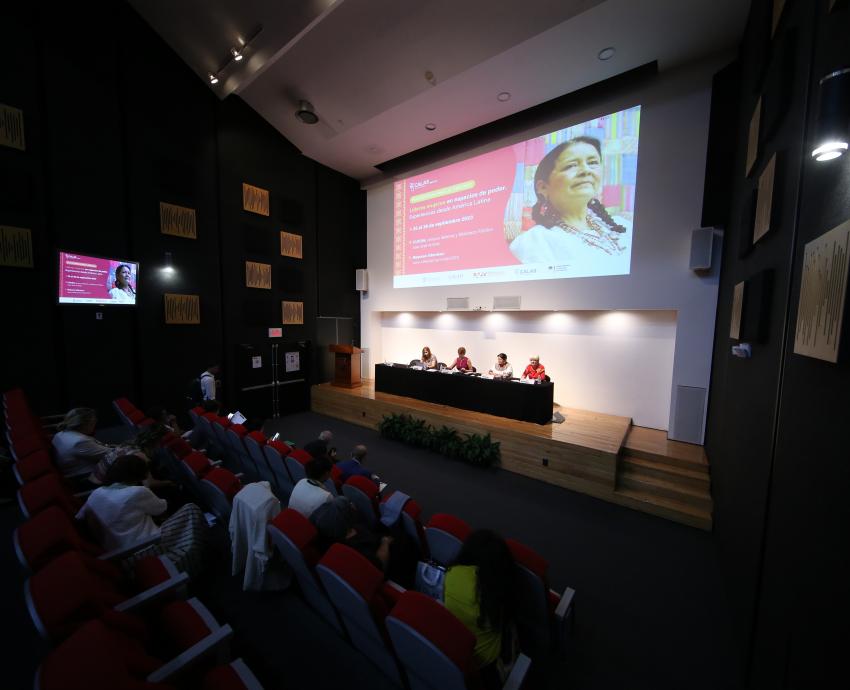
[{"x": 331, "y": 330}]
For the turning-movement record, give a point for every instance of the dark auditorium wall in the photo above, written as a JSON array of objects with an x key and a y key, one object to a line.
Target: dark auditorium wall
[
  {"x": 113, "y": 127},
  {"x": 777, "y": 427}
]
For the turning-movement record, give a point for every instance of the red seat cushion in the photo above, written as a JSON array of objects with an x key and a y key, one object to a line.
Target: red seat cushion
[
  {"x": 182, "y": 626},
  {"x": 136, "y": 416},
  {"x": 181, "y": 449},
  {"x": 280, "y": 447},
  {"x": 48, "y": 535},
  {"x": 451, "y": 524},
  {"x": 355, "y": 569},
  {"x": 438, "y": 625},
  {"x": 35, "y": 465},
  {"x": 29, "y": 444},
  {"x": 238, "y": 429},
  {"x": 258, "y": 436},
  {"x": 149, "y": 572},
  {"x": 97, "y": 658},
  {"x": 300, "y": 455},
  {"x": 49, "y": 490},
  {"x": 300, "y": 531},
  {"x": 222, "y": 678},
  {"x": 538, "y": 565},
  {"x": 198, "y": 463},
  {"x": 225, "y": 480}
]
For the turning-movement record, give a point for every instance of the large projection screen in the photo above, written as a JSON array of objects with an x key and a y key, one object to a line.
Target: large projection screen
[{"x": 560, "y": 205}]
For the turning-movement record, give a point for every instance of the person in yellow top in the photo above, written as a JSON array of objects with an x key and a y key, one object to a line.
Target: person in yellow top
[{"x": 479, "y": 590}]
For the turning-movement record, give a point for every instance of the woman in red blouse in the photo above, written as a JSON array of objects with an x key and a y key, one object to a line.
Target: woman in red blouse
[{"x": 534, "y": 370}]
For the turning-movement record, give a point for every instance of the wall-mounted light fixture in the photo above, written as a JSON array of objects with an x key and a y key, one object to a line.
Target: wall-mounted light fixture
[
  {"x": 167, "y": 266},
  {"x": 832, "y": 127}
]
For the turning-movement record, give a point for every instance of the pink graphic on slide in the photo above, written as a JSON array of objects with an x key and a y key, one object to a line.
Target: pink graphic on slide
[
  {"x": 453, "y": 218},
  {"x": 88, "y": 279}
]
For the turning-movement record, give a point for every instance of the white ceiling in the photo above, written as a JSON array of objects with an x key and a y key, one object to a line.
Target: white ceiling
[{"x": 362, "y": 63}]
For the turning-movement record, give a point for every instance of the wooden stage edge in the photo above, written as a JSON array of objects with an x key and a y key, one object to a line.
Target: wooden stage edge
[{"x": 598, "y": 454}]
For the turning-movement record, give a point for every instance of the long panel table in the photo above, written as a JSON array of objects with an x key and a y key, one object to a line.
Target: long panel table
[{"x": 529, "y": 403}]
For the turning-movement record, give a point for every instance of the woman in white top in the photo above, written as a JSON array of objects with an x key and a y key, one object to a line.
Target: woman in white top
[
  {"x": 502, "y": 369},
  {"x": 309, "y": 493},
  {"x": 77, "y": 451},
  {"x": 123, "y": 513},
  {"x": 123, "y": 291},
  {"x": 574, "y": 230}
]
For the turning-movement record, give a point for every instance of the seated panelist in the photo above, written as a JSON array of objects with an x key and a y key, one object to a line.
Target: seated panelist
[
  {"x": 534, "y": 370},
  {"x": 462, "y": 363},
  {"x": 429, "y": 361},
  {"x": 502, "y": 369}
]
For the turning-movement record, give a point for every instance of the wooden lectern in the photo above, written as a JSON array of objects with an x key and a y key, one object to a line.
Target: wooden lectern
[{"x": 346, "y": 373}]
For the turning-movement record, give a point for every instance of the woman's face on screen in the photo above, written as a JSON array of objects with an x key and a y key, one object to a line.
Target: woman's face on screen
[
  {"x": 575, "y": 179},
  {"x": 122, "y": 277}
]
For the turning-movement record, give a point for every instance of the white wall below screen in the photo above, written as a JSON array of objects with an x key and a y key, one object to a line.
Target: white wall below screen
[{"x": 613, "y": 362}]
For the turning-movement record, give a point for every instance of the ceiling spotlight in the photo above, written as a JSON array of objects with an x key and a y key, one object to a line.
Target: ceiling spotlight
[
  {"x": 832, "y": 126},
  {"x": 213, "y": 78},
  {"x": 237, "y": 54},
  {"x": 606, "y": 53},
  {"x": 503, "y": 97},
  {"x": 306, "y": 113},
  {"x": 430, "y": 126}
]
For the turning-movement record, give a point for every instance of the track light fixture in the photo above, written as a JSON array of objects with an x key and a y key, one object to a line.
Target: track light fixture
[
  {"x": 236, "y": 54},
  {"x": 832, "y": 127},
  {"x": 213, "y": 78}
]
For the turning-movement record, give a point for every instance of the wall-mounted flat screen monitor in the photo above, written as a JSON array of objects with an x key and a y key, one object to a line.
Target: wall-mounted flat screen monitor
[
  {"x": 559, "y": 205},
  {"x": 95, "y": 280}
]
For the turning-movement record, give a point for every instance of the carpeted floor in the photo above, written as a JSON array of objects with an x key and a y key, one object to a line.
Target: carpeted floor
[{"x": 649, "y": 603}]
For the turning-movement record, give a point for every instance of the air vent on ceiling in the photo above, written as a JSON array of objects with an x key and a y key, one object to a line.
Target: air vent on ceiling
[
  {"x": 509, "y": 302},
  {"x": 457, "y": 303}
]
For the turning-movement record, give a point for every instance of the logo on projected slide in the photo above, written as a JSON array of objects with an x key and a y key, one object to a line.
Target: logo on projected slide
[
  {"x": 420, "y": 184},
  {"x": 526, "y": 271}
]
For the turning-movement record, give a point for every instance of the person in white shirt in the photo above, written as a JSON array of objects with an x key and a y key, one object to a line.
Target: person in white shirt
[
  {"x": 502, "y": 369},
  {"x": 208, "y": 382},
  {"x": 310, "y": 493},
  {"x": 77, "y": 451},
  {"x": 122, "y": 514}
]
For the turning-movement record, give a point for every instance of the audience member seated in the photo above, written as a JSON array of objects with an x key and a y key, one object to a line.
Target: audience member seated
[
  {"x": 310, "y": 493},
  {"x": 77, "y": 451},
  {"x": 122, "y": 514},
  {"x": 479, "y": 590},
  {"x": 327, "y": 438},
  {"x": 143, "y": 445},
  {"x": 354, "y": 466},
  {"x": 337, "y": 521},
  {"x": 162, "y": 416}
]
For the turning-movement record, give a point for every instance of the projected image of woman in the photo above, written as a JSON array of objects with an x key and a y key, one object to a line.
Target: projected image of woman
[
  {"x": 123, "y": 291},
  {"x": 573, "y": 228}
]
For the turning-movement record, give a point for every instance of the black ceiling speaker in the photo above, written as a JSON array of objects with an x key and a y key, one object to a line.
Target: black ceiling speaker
[{"x": 306, "y": 114}]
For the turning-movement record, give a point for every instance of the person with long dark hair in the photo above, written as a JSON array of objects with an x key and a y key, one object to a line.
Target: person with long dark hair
[
  {"x": 573, "y": 228},
  {"x": 122, "y": 290},
  {"x": 479, "y": 590}
]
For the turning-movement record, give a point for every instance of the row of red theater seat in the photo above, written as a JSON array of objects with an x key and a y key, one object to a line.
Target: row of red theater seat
[
  {"x": 111, "y": 630},
  {"x": 546, "y": 611}
]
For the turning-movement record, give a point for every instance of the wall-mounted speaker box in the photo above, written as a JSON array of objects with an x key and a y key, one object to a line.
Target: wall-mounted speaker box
[
  {"x": 508, "y": 302},
  {"x": 702, "y": 241},
  {"x": 361, "y": 280},
  {"x": 457, "y": 303}
]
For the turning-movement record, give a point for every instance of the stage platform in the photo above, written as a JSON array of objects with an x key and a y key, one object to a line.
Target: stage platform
[{"x": 601, "y": 455}]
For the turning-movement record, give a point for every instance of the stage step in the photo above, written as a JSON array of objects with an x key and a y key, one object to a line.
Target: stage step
[
  {"x": 693, "y": 478},
  {"x": 636, "y": 480},
  {"x": 667, "y": 508},
  {"x": 653, "y": 445}
]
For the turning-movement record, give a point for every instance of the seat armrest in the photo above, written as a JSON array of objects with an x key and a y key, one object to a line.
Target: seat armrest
[
  {"x": 118, "y": 554},
  {"x": 565, "y": 604},
  {"x": 154, "y": 593},
  {"x": 518, "y": 673},
  {"x": 217, "y": 642}
]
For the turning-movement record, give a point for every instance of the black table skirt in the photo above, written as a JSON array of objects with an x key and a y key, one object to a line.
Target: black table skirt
[{"x": 529, "y": 403}]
